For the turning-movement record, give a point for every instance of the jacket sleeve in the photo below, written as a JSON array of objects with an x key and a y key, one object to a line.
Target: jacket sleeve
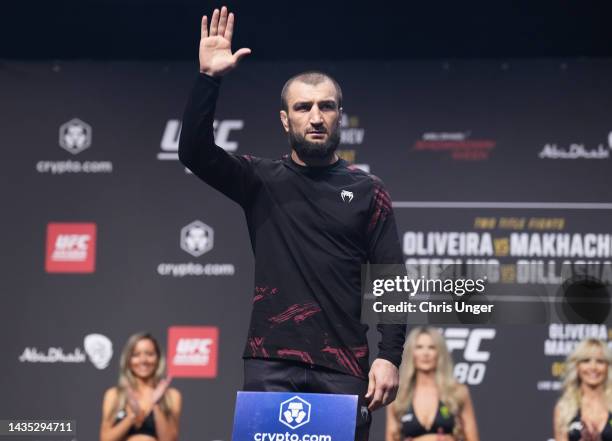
[
  {"x": 232, "y": 175},
  {"x": 384, "y": 249}
]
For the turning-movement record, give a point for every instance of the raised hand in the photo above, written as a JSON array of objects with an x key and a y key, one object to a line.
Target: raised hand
[
  {"x": 590, "y": 432},
  {"x": 216, "y": 58},
  {"x": 133, "y": 409},
  {"x": 132, "y": 400},
  {"x": 160, "y": 390}
]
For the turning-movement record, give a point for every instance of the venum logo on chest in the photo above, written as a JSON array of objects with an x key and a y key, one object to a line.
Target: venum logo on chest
[{"x": 347, "y": 196}]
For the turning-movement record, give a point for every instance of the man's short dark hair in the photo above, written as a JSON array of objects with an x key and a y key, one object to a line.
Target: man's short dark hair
[{"x": 312, "y": 77}]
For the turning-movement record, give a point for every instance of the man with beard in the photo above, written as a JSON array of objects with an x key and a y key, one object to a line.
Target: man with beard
[{"x": 313, "y": 221}]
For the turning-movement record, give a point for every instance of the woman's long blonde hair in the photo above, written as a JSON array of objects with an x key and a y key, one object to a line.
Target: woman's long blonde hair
[
  {"x": 126, "y": 377},
  {"x": 445, "y": 381},
  {"x": 571, "y": 397}
]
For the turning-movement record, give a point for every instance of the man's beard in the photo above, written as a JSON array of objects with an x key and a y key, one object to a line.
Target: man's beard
[{"x": 314, "y": 150}]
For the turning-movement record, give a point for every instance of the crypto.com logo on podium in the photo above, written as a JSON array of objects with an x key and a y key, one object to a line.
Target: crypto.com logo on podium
[
  {"x": 287, "y": 416},
  {"x": 294, "y": 412}
]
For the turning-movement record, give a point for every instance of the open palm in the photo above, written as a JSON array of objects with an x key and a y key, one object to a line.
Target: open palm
[
  {"x": 160, "y": 390},
  {"x": 216, "y": 56}
]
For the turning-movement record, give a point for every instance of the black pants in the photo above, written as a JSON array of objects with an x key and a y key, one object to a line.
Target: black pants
[{"x": 286, "y": 376}]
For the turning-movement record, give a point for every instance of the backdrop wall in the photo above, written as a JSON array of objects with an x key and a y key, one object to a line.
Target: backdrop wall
[{"x": 104, "y": 232}]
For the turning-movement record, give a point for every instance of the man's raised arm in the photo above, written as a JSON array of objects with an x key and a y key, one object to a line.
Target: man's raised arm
[{"x": 230, "y": 174}]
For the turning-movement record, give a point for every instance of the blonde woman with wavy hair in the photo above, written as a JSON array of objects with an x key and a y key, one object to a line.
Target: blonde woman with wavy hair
[
  {"x": 430, "y": 404},
  {"x": 142, "y": 407},
  {"x": 584, "y": 410}
]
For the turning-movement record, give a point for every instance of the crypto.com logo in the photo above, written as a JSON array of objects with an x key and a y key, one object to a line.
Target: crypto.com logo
[
  {"x": 75, "y": 136},
  {"x": 294, "y": 412},
  {"x": 197, "y": 238}
]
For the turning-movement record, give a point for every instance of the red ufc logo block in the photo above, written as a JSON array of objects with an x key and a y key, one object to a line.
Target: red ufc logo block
[
  {"x": 71, "y": 248},
  {"x": 192, "y": 351}
]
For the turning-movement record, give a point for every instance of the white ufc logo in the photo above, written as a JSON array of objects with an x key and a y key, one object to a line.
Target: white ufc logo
[
  {"x": 194, "y": 346},
  {"x": 72, "y": 242},
  {"x": 469, "y": 341},
  {"x": 222, "y": 128},
  {"x": 471, "y": 371}
]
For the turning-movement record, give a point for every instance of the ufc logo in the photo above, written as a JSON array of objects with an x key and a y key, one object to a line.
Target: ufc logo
[
  {"x": 469, "y": 341},
  {"x": 72, "y": 242},
  {"x": 194, "y": 346},
  {"x": 222, "y": 130}
]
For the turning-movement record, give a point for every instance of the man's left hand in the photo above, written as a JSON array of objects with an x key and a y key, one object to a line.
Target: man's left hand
[{"x": 383, "y": 382}]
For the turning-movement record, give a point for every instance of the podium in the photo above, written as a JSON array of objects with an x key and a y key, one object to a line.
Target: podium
[{"x": 290, "y": 416}]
